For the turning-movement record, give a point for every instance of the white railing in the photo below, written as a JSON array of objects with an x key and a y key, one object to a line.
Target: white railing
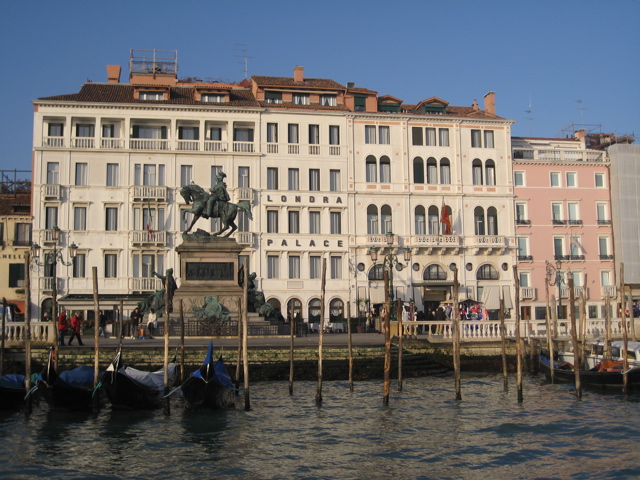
[
  {"x": 144, "y": 236},
  {"x": 83, "y": 142},
  {"x": 50, "y": 236},
  {"x": 215, "y": 146},
  {"x": 52, "y": 190},
  {"x": 334, "y": 150},
  {"x": 314, "y": 149},
  {"x": 553, "y": 155},
  {"x": 148, "y": 144},
  {"x": 577, "y": 292},
  {"x": 244, "y": 238},
  {"x": 528, "y": 292},
  {"x": 144, "y": 284},
  {"x": 55, "y": 142},
  {"x": 149, "y": 191},
  {"x": 245, "y": 194},
  {"x": 41, "y": 332},
  {"x": 111, "y": 143},
  {"x": 243, "y": 147},
  {"x": 293, "y": 149},
  {"x": 46, "y": 283},
  {"x": 189, "y": 145},
  {"x": 436, "y": 240},
  {"x": 381, "y": 240},
  {"x": 609, "y": 291},
  {"x": 489, "y": 241},
  {"x": 272, "y": 148}
]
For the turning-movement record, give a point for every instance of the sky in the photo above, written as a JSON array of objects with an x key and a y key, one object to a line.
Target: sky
[{"x": 551, "y": 63}]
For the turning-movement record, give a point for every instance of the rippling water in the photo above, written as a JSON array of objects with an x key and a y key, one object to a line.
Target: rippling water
[{"x": 424, "y": 433}]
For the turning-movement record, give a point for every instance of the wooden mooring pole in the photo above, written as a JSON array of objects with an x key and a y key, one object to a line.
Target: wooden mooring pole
[
  {"x": 321, "y": 330},
  {"x": 518, "y": 336},
  {"x": 245, "y": 335},
  {"x": 399, "y": 314},
  {"x": 625, "y": 336},
  {"x": 182, "y": 377},
  {"x": 574, "y": 337},
  {"x": 167, "y": 325},
  {"x": 503, "y": 343},
  {"x": 387, "y": 342},
  {"x": 350, "y": 346},
  {"x": 96, "y": 340},
  {"x": 292, "y": 327},
  {"x": 607, "y": 327},
  {"x": 27, "y": 340},
  {"x": 120, "y": 325},
  {"x": 4, "y": 334},
  {"x": 549, "y": 326},
  {"x": 456, "y": 335}
]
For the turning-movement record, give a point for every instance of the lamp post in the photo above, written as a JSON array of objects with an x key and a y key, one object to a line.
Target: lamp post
[
  {"x": 558, "y": 279},
  {"x": 52, "y": 258}
]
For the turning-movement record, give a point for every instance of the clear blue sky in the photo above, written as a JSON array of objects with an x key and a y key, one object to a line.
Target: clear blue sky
[{"x": 554, "y": 52}]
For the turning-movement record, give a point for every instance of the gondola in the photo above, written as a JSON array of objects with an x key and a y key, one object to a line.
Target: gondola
[
  {"x": 209, "y": 386},
  {"x": 12, "y": 391},
  {"x": 607, "y": 374},
  {"x": 71, "y": 390},
  {"x": 128, "y": 388}
]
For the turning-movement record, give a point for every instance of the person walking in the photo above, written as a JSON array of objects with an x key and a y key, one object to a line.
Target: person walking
[
  {"x": 103, "y": 324},
  {"x": 76, "y": 328},
  {"x": 152, "y": 320},
  {"x": 135, "y": 321},
  {"x": 63, "y": 326}
]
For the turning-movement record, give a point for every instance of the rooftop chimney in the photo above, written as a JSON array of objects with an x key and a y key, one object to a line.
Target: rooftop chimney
[
  {"x": 113, "y": 73},
  {"x": 490, "y": 103},
  {"x": 475, "y": 104},
  {"x": 298, "y": 74}
]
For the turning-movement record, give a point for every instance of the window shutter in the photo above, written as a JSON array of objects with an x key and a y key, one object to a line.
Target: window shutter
[
  {"x": 136, "y": 131},
  {"x": 163, "y": 133}
]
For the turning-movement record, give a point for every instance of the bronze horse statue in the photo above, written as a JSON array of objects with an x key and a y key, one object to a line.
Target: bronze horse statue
[{"x": 225, "y": 211}]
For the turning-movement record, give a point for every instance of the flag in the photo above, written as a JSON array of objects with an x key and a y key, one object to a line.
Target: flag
[
  {"x": 444, "y": 218},
  {"x": 149, "y": 220}
]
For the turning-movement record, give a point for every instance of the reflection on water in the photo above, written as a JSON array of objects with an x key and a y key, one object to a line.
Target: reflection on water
[{"x": 424, "y": 433}]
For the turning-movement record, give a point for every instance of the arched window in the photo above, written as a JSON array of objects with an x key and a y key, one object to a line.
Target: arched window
[
  {"x": 487, "y": 272},
  {"x": 371, "y": 169},
  {"x": 432, "y": 171},
  {"x": 294, "y": 307},
  {"x": 372, "y": 220},
  {"x": 492, "y": 221},
  {"x": 434, "y": 221},
  {"x": 477, "y": 172},
  {"x": 490, "y": 172},
  {"x": 314, "y": 310},
  {"x": 45, "y": 307},
  {"x": 434, "y": 272},
  {"x": 420, "y": 220},
  {"x": 377, "y": 272},
  {"x": 478, "y": 220},
  {"x": 445, "y": 171},
  {"x": 385, "y": 169},
  {"x": 336, "y": 310},
  {"x": 418, "y": 170},
  {"x": 385, "y": 215}
]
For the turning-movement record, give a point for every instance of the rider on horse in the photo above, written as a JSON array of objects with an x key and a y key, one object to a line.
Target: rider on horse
[{"x": 218, "y": 195}]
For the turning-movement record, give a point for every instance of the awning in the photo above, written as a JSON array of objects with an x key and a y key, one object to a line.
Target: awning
[
  {"x": 19, "y": 305},
  {"x": 106, "y": 301}
]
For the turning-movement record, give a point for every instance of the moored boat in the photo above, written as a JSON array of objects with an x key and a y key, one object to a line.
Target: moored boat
[
  {"x": 129, "y": 388},
  {"x": 607, "y": 374},
  {"x": 12, "y": 391},
  {"x": 208, "y": 387}
]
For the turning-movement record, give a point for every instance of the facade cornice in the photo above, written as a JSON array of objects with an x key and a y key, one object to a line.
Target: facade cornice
[{"x": 155, "y": 107}]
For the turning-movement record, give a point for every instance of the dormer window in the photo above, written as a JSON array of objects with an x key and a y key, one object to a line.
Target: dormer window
[
  {"x": 151, "y": 95},
  {"x": 273, "y": 97},
  {"x": 213, "y": 98},
  {"x": 434, "y": 109},
  {"x": 301, "y": 99},
  {"x": 328, "y": 100}
]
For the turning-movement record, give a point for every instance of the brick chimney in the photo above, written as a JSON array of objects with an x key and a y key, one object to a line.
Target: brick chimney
[
  {"x": 475, "y": 104},
  {"x": 113, "y": 73},
  {"x": 490, "y": 103},
  {"x": 298, "y": 74}
]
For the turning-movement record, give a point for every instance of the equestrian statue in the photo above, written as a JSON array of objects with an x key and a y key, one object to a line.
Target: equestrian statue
[{"x": 214, "y": 204}]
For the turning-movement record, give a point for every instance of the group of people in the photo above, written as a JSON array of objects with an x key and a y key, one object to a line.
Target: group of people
[{"x": 74, "y": 326}]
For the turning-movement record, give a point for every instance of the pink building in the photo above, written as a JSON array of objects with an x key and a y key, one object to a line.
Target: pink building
[{"x": 563, "y": 224}]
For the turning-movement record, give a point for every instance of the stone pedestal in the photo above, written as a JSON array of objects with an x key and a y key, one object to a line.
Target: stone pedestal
[{"x": 208, "y": 267}]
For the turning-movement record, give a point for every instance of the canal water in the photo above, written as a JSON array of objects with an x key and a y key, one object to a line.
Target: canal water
[{"x": 423, "y": 434}]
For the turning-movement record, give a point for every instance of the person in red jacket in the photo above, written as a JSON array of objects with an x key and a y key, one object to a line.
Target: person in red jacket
[
  {"x": 62, "y": 326},
  {"x": 76, "y": 323}
]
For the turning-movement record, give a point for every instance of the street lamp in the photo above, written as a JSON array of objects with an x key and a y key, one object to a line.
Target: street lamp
[{"x": 52, "y": 258}]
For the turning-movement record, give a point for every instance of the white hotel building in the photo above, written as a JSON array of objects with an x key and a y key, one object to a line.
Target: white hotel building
[{"x": 329, "y": 169}]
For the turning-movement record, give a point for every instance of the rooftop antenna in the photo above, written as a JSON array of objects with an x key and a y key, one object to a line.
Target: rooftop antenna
[
  {"x": 245, "y": 58},
  {"x": 582, "y": 109},
  {"x": 530, "y": 117}
]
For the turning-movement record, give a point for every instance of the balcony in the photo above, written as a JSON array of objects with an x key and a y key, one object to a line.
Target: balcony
[
  {"x": 53, "y": 142},
  {"x": 111, "y": 143},
  {"x": 608, "y": 291},
  {"x": 606, "y": 257},
  {"x": 83, "y": 142},
  {"x": 380, "y": 240},
  {"x": 51, "y": 191},
  {"x": 558, "y": 222},
  {"x": 525, "y": 258},
  {"x": 576, "y": 258},
  {"x": 142, "y": 284},
  {"x": 215, "y": 146},
  {"x": 149, "y": 192},
  {"x": 437, "y": 243},
  {"x": 245, "y": 194},
  {"x": 189, "y": 145},
  {"x": 243, "y": 147},
  {"x": 528, "y": 293},
  {"x": 148, "y": 144},
  {"x": 604, "y": 222},
  {"x": 523, "y": 222},
  {"x": 49, "y": 236},
  {"x": 144, "y": 237},
  {"x": 553, "y": 155},
  {"x": 293, "y": 149},
  {"x": 244, "y": 238},
  {"x": 46, "y": 284},
  {"x": 561, "y": 258},
  {"x": 577, "y": 292},
  {"x": 575, "y": 222},
  {"x": 296, "y": 149}
]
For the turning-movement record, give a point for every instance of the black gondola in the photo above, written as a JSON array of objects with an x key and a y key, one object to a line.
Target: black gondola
[
  {"x": 209, "y": 386},
  {"x": 128, "y": 388},
  {"x": 12, "y": 391},
  {"x": 606, "y": 375}
]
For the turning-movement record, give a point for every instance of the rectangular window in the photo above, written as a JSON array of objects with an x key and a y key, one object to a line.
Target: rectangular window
[
  {"x": 186, "y": 175},
  {"x": 556, "y": 212},
  {"x": 151, "y": 96},
  {"x": 384, "y": 135},
  {"x": 522, "y": 248},
  {"x": 518, "y": 179},
  {"x": 328, "y": 100},
  {"x": 443, "y": 133},
  {"x": 81, "y": 174},
  {"x": 242, "y": 134},
  {"x": 488, "y": 139},
  {"x": 477, "y": 174},
  {"x": 243, "y": 177},
  {"x": 573, "y": 213},
  {"x": 334, "y": 135},
  {"x": 294, "y": 179},
  {"x": 314, "y": 222},
  {"x": 111, "y": 219},
  {"x": 294, "y": 221},
  {"x": 416, "y": 136},
  {"x": 371, "y": 170},
  {"x": 188, "y": 133},
  {"x": 212, "y": 98},
  {"x": 22, "y": 235},
  {"x": 293, "y": 133},
  {"x": 215, "y": 134},
  {"x": 242, "y": 221},
  {"x": 571, "y": 179},
  {"x": 314, "y": 267},
  {"x": 272, "y": 133},
  {"x": 272, "y": 266},
  {"x": 599, "y": 180},
  {"x": 336, "y": 266},
  {"x": 314, "y": 134},
  {"x": 16, "y": 275},
  {"x": 215, "y": 170},
  {"x": 294, "y": 266},
  {"x": 51, "y": 217},
  {"x": 273, "y": 97},
  {"x": 603, "y": 246},
  {"x": 272, "y": 221},
  {"x": 108, "y": 131},
  {"x": 110, "y": 265},
  {"x": 112, "y": 174},
  {"x": 334, "y": 180},
  {"x": 521, "y": 214},
  {"x": 601, "y": 212},
  {"x": 151, "y": 133},
  {"x": 336, "y": 223},
  {"x": 55, "y": 129},
  {"x": 53, "y": 173},
  {"x": 79, "y": 218},
  {"x": 476, "y": 138},
  {"x": 314, "y": 179},
  {"x": 430, "y": 137},
  {"x": 272, "y": 178},
  {"x": 370, "y": 134},
  {"x": 372, "y": 222},
  {"x": 385, "y": 171},
  {"x": 558, "y": 247},
  {"x": 301, "y": 99},
  {"x": 79, "y": 265},
  {"x": 445, "y": 173},
  {"x": 524, "y": 279},
  {"x": 554, "y": 178},
  {"x": 605, "y": 278}
]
